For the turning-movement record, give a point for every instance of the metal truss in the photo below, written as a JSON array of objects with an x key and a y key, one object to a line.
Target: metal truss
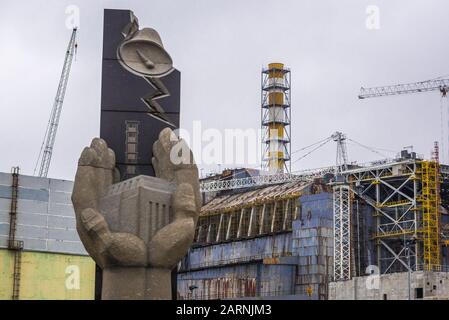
[
  {"x": 430, "y": 202},
  {"x": 306, "y": 175},
  {"x": 438, "y": 84},
  {"x": 342, "y": 232},
  {"x": 405, "y": 198},
  {"x": 48, "y": 143},
  {"x": 397, "y": 257},
  {"x": 392, "y": 190}
]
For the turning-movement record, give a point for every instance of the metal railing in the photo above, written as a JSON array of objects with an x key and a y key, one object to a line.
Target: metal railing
[
  {"x": 264, "y": 179},
  {"x": 15, "y": 244}
]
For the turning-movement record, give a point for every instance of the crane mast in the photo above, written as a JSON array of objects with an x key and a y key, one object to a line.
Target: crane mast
[
  {"x": 44, "y": 159},
  {"x": 342, "y": 153}
]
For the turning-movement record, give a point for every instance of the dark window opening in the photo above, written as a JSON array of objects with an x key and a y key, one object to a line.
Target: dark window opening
[
  {"x": 309, "y": 214},
  {"x": 385, "y": 296},
  {"x": 419, "y": 293}
]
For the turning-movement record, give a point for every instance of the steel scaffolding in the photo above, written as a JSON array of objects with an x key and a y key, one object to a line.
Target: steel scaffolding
[
  {"x": 430, "y": 203},
  {"x": 342, "y": 232},
  {"x": 404, "y": 197}
]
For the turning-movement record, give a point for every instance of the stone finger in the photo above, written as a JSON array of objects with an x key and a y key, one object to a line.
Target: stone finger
[
  {"x": 157, "y": 150},
  {"x": 171, "y": 243},
  {"x": 97, "y": 230},
  {"x": 164, "y": 169},
  {"x": 156, "y": 167},
  {"x": 87, "y": 157},
  {"x": 127, "y": 250},
  {"x": 184, "y": 202},
  {"x": 167, "y": 139},
  {"x": 110, "y": 159},
  {"x": 93, "y": 221},
  {"x": 101, "y": 148},
  {"x": 181, "y": 155}
]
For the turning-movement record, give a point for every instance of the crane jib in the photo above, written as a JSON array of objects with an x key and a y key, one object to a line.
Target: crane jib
[{"x": 44, "y": 158}]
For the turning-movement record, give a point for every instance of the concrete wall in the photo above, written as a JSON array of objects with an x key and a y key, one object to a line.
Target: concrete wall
[
  {"x": 48, "y": 276},
  {"x": 392, "y": 286},
  {"x": 313, "y": 244},
  {"x": 45, "y": 216}
]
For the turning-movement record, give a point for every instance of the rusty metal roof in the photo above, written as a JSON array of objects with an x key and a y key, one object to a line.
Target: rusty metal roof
[{"x": 228, "y": 203}]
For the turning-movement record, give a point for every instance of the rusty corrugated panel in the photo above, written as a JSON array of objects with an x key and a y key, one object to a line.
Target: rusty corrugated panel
[
  {"x": 239, "y": 251},
  {"x": 237, "y": 281}
]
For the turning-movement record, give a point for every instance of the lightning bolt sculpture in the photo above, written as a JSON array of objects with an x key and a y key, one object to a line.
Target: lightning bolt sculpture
[{"x": 156, "y": 111}]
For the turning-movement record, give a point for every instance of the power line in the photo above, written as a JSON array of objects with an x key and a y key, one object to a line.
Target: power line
[
  {"x": 309, "y": 146},
  {"x": 314, "y": 149},
  {"x": 298, "y": 150},
  {"x": 369, "y": 148}
]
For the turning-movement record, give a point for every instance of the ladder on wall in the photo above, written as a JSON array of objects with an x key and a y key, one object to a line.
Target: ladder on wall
[
  {"x": 16, "y": 246},
  {"x": 16, "y": 275}
]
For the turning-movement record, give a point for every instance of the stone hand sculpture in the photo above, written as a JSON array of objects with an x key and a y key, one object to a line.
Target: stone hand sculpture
[{"x": 136, "y": 266}]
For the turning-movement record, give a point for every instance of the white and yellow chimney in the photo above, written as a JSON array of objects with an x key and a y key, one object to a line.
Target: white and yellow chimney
[{"x": 276, "y": 118}]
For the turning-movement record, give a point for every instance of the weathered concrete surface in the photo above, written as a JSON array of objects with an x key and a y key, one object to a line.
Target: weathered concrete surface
[
  {"x": 127, "y": 228},
  {"x": 392, "y": 286}
]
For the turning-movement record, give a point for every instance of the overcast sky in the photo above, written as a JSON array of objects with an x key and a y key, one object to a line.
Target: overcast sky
[{"x": 220, "y": 47}]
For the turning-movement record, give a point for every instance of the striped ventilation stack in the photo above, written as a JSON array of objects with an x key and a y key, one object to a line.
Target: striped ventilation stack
[{"x": 276, "y": 114}]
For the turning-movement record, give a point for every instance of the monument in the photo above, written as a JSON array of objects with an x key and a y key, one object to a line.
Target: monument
[{"x": 136, "y": 227}]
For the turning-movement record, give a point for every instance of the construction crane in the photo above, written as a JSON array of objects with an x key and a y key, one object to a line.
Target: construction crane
[
  {"x": 45, "y": 153},
  {"x": 440, "y": 84}
]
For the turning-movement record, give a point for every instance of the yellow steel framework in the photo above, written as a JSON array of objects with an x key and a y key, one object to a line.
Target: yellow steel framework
[{"x": 430, "y": 204}]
